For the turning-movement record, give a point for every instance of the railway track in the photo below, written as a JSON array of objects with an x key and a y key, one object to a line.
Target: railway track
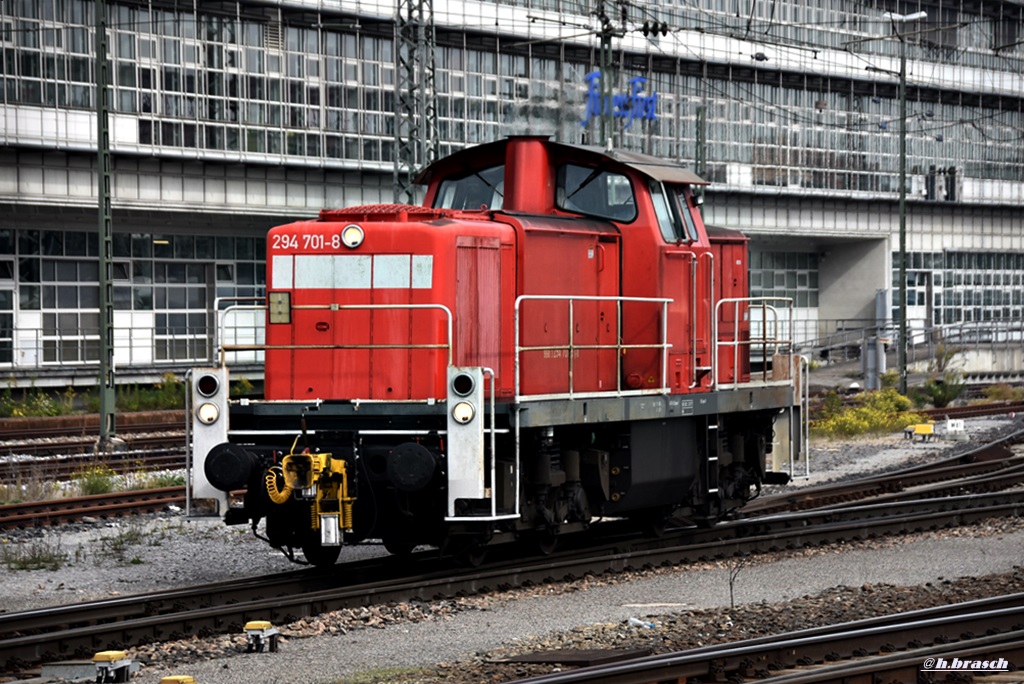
[
  {"x": 64, "y": 446},
  {"x": 981, "y": 469},
  {"x": 77, "y": 434},
  {"x": 148, "y": 455},
  {"x": 1000, "y": 408},
  {"x": 974, "y": 410},
  {"x": 978, "y": 469},
  {"x": 903, "y": 647},
  {"x": 102, "y": 506},
  {"x": 82, "y": 629},
  {"x": 61, "y": 448}
]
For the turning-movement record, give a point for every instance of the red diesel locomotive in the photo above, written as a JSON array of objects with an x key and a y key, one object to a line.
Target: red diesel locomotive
[{"x": 554, "y": 336}]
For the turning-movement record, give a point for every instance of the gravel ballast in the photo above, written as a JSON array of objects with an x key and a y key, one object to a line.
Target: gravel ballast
[{"x": 687, "y": 606}]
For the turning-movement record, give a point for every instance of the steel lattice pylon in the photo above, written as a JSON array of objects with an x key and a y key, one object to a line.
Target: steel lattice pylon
[{"x": 415, "y": 108}]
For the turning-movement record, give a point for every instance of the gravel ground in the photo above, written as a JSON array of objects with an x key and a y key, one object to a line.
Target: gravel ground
[{"x": 460, "y": 640}]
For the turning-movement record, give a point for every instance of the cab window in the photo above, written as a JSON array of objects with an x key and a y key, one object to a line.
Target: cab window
[
  {"x": 670, "y": 227},
  {"x": 682, "y": 203},
  {"x": 482, "y": 189},
  {"x": 595, "y": 192}
]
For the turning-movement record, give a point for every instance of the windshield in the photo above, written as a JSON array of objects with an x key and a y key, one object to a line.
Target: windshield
[
  {"x": 595, "y": 192},
  {"x": 476, "y": 190}
]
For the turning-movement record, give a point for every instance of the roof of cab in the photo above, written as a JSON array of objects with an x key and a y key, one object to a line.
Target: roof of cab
[{"x": 482, "y": 156}]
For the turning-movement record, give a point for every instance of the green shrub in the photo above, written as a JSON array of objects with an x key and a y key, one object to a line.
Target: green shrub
[
  {"x": 241, "y": 387},
  {"x": 945, "y": 383},
  {"x": 34, "y": 402},
  {"x": 832, "y": 405},
  {"x": 1003, "y": 393},
  {"x": 168, "y": 394},
  {"x": 161, "y": 480},
  {"x": 941, "y": 391},
  {"x": 97, "y": 479}
]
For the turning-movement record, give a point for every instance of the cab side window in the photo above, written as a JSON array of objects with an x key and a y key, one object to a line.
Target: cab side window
[
  {"x": 475, "y": 190},
  {"x": 683, "y": 204},
  {"x": 667, "y": 222},
  {"x": 595, "y": 192}
]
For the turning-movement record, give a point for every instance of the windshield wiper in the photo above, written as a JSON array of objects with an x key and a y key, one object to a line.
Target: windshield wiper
[{"x": 586, "y": 181}]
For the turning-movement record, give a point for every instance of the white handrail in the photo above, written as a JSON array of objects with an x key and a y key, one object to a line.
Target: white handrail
[
  {"x": 570, "y": 347},
  {"x": 344, "y": 307},
  {"x": 736, "y": 342}
]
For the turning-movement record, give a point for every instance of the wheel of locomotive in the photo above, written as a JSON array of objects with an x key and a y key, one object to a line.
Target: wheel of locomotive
[
  {"x": 319, "y": 555},
  {"x": 398, "y": 547},
  {"x": 473, "y": 556},
  {"x": 708, "y": 514},
  {"x": 655, "y": 527},
  {"x": 546, "y": 542},
  {"x": 652, "y": 522}
]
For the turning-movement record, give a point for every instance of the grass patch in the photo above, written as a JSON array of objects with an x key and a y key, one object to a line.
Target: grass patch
[
  {"x": 118, "y": 545},
  {"x": 30, "y": 488},
  {"x": 161, "y": 480},
  {"x": 35, "y": 555}
]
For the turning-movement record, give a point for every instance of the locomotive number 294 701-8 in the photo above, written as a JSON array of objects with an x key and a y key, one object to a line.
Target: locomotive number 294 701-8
[{"x": 305, "y": 241}]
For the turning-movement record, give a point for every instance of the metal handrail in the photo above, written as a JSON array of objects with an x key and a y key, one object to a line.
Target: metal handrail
[
  {"x": 221, "y": 315},
  {"x": 693, "y": 308},
  {"x": 764, "y": 340},
  {"x": 225, "y": 349},
  {"x": 570, "y": 347}
]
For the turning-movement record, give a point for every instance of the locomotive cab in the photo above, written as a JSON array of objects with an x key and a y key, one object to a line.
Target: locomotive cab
[{"x": 553, "y": 336}]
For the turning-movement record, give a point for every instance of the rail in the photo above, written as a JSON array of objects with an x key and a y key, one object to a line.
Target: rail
[{"x": 570, "y": 348}]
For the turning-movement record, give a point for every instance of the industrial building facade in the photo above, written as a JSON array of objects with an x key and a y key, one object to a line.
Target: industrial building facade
[{"x": 228, "y": 118}]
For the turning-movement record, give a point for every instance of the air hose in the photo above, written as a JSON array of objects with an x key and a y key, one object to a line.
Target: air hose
[{"x": 277, "y": 496}]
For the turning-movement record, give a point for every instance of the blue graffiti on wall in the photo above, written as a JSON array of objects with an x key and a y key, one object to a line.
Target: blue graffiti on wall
[{"x": 630, "y": 105}]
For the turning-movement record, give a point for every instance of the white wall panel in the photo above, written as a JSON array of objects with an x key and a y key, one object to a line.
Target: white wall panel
[
  {"x": 296, "y": 196},
  {"x": 277, "y": 194},
  {"x": 30, "y": 181},
  {"x": 56, "y": 180},
  {"x": 172, "y": 189},
  {"x": 149, "y": 188},
  {"x": 215, "y": 191},
  {"x": 81, "y": 183},
  {"x": 193, "y": 190},
  {"x": 124, "y": 129},
  {"x": 235, "y": 194}
]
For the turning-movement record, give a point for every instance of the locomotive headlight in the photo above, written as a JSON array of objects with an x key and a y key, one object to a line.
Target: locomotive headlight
[
  {"x": 463, "y": 412},
  {"x": 352, "y": 236},
  {"x": 208, "y": 413}
]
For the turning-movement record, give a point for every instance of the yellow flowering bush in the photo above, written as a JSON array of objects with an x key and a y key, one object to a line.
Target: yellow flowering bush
[{"x": 877, "y": 412}]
